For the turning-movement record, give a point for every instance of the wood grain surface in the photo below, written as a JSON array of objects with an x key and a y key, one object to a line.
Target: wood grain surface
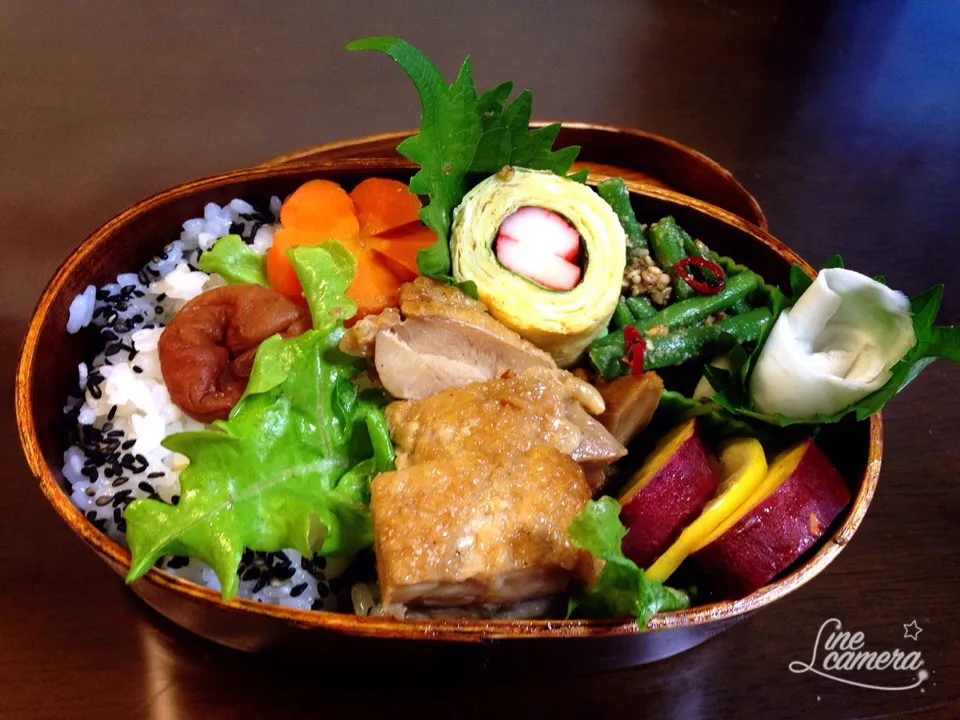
[{"x": 841, "y": 118}]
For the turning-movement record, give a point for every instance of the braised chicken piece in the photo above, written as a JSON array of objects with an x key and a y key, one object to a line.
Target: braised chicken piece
[
  {"x": 485, "y": 490},
  {"x": 207, "y": 350},
  {"x": 447, "y": 339},
  {"x": 630, "y": 403},
  {"x": 477, "y": 529},
  {"x": 360, "y": 339},
  {"x": 504, "y": 416}
]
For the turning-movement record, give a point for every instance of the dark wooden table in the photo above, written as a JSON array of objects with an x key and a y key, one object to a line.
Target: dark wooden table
[{"x": 842, "y": 118}]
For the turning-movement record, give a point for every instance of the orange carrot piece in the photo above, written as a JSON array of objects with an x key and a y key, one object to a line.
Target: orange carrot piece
[
  {"x": 378, "y": 223},
  {"x": 399, "y": 248},
  {"x": 375, "y": 287},
  {"x": 382, "y": 205},
  {"x": 320, "y": 206},
  {"x": 280, "y": 272}
]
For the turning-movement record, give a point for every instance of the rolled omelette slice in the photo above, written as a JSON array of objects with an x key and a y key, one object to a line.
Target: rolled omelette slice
[{"x": 561, "y": 322}]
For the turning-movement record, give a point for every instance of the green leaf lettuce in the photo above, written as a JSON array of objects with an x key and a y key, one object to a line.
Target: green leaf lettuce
[
  {"x": 622, "y": 589},
  {"x": 233, "y": 259},
  {"x": 292, "y": 465}
]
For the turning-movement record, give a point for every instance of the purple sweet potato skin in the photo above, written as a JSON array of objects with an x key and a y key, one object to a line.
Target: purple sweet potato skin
[
  {"x": 779, "y": 530},
  {"x": 659, "y": 511}
]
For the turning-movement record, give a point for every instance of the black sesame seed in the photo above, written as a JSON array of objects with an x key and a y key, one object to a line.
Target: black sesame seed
[
  {"x": 122, "y": 525},
  {"x": 122, "y": 480},
  {"x": 137, "y": 369},
  {"x": 322, "y": 589},
  {"x": 297, "y": 590},
  {"x": 127, "y": 444},
  {"x": 117, "y": 514},
  {"x": 109, "y": 473},
  {"x": 91, "y": 514},
  {"x": 161, "y": 297},
  {"x": 147, "y": 488},
  {"x": 284, "y": 573},
  {"x": 155, "y": 475},
  {"x": 260, "y": 585},
  {"x": 317, "y": 605},
  {"x": 103, "y": 500},
  {"x": 141, "y": 459},
  {"x": 113, "y": 412},
  {"x": 158, "y": 309},
  {"x": 138, "y": 318},
  {"x": 96, "y": 392},
  {"x": 251, "y": 574},
  {"x": 175, "y": 500}
]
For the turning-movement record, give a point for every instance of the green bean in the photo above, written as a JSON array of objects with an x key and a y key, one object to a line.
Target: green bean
[
  {"x": 689, "y": 312},
  {"x": 686, "y": 344},
  {"x": 694, "y": 249},
  {"x": 641, "y": 307},
  {"x": 606, "y": 352},
  {"x": 622, "y": 315},
  {"x": 741, "y": 306},
  {"x": 667, "y": 245},
  {"x": 615, "y": 192}
]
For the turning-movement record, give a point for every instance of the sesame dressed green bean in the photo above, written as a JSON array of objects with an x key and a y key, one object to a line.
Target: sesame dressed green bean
[
  {"x": 607, "y": 351},
  {"x": 614, "y": 192},
  {"x": 685, "y": 344},
  {"x": 667, "y": 245},
  {"x": 641, "y": 307},
  {"x": 622, "y": 315}
]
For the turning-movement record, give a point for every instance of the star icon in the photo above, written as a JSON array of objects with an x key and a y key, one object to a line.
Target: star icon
[{"x": 912, "y": 630}]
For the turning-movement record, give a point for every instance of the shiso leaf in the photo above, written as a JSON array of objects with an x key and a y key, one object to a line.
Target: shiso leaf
[
  {"x": 622, "y": 589},
  {"x": 291, "y": 467},
  {"x": 463, "y": 133},
  {"x": 232, "y": 259}
]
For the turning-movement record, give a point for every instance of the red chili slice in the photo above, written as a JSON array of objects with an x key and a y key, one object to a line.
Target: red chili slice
[
  {"x": 635, "y": 348},
  {"x": 701, "y": 286}
]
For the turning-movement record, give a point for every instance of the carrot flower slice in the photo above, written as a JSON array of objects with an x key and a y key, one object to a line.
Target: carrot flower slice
[
  {"x": 321, "y": 206},
  {"x": 383, "y": 204},
  {"x": 378, "y": 222}
]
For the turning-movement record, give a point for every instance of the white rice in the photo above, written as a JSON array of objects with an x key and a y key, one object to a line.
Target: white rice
[{"x": 123, "y": 410}]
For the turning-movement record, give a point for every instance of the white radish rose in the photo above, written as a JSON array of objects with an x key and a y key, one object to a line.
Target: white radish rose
[{"x": 834, "y": 347}]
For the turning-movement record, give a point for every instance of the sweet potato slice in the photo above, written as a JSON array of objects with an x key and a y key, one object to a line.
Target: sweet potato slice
[
  {"x": 800, "y": 497},
  {"x": 666, "y": 493}
]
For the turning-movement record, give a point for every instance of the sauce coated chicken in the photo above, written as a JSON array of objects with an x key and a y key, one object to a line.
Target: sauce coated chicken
[
  {"x": 488, "y": 482},
  {"x": 207, "y": 350}
]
